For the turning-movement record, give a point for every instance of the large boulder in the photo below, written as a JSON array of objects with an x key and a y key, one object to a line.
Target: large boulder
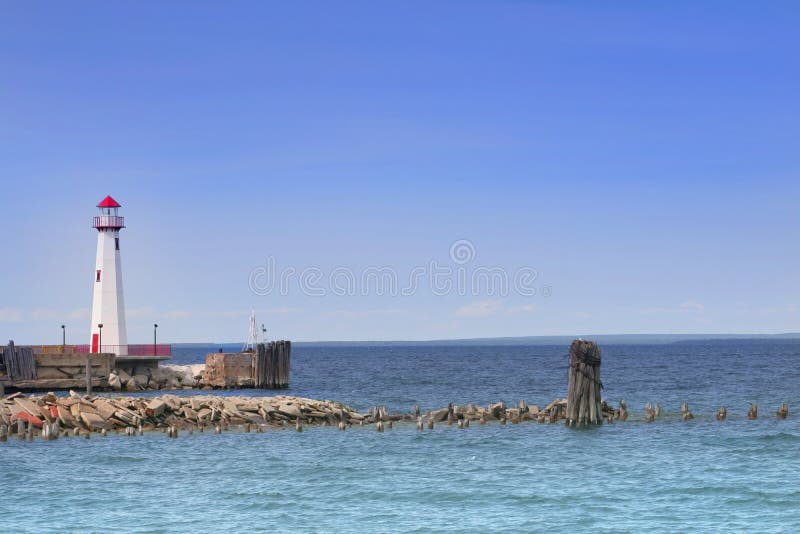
[
  {"x": 142, "y": 380},
  {"x": 123, "y": 376},
  {"x": 114, "y": 382},
  {"x": 131, "y": 385}
]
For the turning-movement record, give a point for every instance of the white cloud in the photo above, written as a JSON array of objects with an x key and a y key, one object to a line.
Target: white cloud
[
  {"x": 9, "y": 315},
  {"x": 44, "y": 314},
  {"x": 178, "y": 314},
  {"x": 481, "y": 308},
  {"x": 348, "y": 314},
  {"x": 524, "y": 308},
  {"x": 275, "y": 311},
  {"x": 692, "y": 305},
  {"x": 79, "y": 314},
  {"x": 41, "y": 314},
  {"x": 143, "y": 312}
]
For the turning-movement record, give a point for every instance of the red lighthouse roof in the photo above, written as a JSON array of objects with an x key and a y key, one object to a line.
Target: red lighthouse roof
[{"x": 109, "y": 202}]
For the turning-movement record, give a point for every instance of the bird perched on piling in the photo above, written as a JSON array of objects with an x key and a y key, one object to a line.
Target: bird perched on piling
[
  {"x": 685, "y": 413},
  {"x": 783, "y": 411},
  {"x": 722, "y": 413},
  {"x": 752, "y": 413}
]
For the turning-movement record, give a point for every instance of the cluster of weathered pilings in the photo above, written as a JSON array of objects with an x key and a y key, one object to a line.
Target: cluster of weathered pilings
[{"x": 49, "y": 417}]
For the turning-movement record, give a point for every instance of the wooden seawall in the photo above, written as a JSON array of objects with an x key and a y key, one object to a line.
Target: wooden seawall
[{"x": 23, "y": 369}]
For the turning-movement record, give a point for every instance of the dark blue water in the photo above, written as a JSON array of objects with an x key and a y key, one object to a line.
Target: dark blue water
[
  {"x": 706, "y": 374},
  {"x": 703, "y": 475}
]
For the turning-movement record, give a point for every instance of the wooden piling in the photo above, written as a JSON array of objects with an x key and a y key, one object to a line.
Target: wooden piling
[
  {"x": 271, "y": 365},
  {"x": 649, "y": 413},
  {"x": 88, "y": 374},
  {"x": 783, "y": 411},
  {"x": 583, "y": 397},
  {"x": 685, "y": 413},
  {"x": 623, "y": 410}
]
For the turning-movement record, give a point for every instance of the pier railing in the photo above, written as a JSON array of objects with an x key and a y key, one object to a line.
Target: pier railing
[
  {"x": 142, "y": 350},
  {"x": 147, "y": 350}
]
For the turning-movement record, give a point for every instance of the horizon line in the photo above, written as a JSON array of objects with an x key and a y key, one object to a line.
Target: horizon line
[{"x": 789, "y": 335}]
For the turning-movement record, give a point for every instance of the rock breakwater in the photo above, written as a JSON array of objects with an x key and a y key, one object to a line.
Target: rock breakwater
[{"x": 49, "y": 416}]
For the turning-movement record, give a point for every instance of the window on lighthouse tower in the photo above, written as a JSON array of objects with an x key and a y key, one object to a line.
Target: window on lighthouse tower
[
  {"x": 116, "y": 243},
  {"x": 98, "y": 275}
]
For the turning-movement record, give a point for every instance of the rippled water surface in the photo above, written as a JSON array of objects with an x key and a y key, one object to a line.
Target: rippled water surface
[{"x": 672, "y": 475}]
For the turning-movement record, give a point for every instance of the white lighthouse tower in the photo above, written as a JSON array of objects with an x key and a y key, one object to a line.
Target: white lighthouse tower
[{"x": 108, "y": 304}]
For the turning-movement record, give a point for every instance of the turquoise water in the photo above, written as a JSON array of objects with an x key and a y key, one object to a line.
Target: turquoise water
[{"x": 702, "y": 475}]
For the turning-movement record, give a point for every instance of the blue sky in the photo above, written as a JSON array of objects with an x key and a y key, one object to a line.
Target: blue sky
[{"x": 641, "y": 157}]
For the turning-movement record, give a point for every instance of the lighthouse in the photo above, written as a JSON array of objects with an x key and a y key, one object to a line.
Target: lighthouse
[{"x": 108, "y": 304}]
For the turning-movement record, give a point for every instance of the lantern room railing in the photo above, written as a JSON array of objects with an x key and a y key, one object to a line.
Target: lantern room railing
[{"x": 108, "y": 221}]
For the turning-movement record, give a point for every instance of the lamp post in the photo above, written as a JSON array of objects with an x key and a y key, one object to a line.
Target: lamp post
[
  {"x": 155, "y": 328},
  {"x": 63, "y": 337},
  {"x": 100, "y": 347}
]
